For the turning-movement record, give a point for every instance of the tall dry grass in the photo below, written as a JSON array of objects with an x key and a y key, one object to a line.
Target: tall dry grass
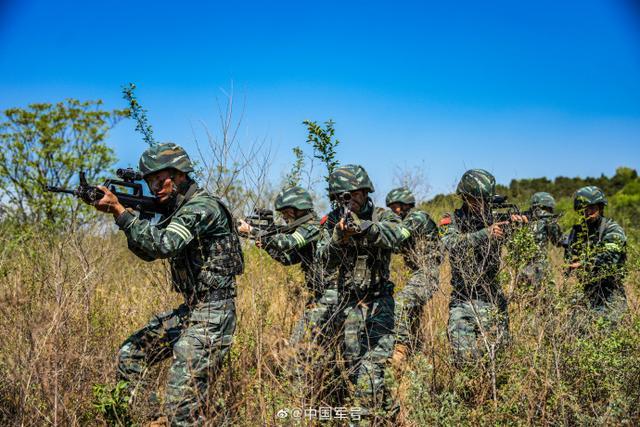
[{"x": 68, "y": 301}]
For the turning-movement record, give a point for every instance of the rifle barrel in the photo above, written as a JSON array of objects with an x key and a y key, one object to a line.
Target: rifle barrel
[{"x": 59, "y": 190}]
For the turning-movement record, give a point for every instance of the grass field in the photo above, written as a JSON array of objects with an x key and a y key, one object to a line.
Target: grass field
[{"x": 69, "y": 300}]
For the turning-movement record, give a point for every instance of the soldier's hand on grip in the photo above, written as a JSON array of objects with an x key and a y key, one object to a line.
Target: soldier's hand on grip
[
  {"x": 244, "y": 227},
  {"x": 109, "y": 202},
  {"x": 496, "y": 231},
  {"x": 519, "y": 218}
]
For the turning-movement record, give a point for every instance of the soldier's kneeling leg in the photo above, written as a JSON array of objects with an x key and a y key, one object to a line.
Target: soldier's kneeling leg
[
  {"x": 462, "y": 331},
  {"x": 197, "y": 354},
  {"x": 377, "y": 343},
  {"x": 149, "y": 345}
]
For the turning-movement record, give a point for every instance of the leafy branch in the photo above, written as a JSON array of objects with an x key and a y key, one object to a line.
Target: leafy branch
[
  {"x": 293, "y": 177},
  {"x": 138, "y": 113},
  {"x": 324, "y": 143}
]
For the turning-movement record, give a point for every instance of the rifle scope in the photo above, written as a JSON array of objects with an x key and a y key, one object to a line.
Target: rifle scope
[{"x": 129, "y": 174}]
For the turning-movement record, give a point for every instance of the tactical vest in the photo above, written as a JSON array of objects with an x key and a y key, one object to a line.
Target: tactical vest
[
  {"x": 594, "y": 238},
  {"x": 364, "y": 270},
  {"x": 474, "y": 274},
  {"x": 208, "y": 262}
]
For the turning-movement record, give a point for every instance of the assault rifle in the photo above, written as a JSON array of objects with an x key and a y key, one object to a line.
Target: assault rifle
[
  {"x": 344, "y": 200},
  {"x": 147, "y": 206},
  {"x": 263, "y": 222},
  {"x": 501, "y": 210}
]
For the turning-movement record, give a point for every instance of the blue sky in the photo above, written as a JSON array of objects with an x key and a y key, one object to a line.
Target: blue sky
[{"x": 525, "y": 90}]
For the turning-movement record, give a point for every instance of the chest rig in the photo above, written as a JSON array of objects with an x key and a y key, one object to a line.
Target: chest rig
[
  {"x": 209, "y": 261},
  {"x": 364, "y": 269}
]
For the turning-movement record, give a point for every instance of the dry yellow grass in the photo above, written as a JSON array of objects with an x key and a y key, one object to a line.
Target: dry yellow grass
[{"x": 67, "y": 303}]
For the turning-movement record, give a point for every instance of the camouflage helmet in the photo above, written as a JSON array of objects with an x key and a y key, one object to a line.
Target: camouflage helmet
[
  {"x": 590, "y": 195},
  {"x": 164, "y": 156},
  {"x": 543, "y": 199},
  {"x": 349, "y": 178},
  {"x": 294, "y": 197},
  {"x": 477, "y": 183},
  {"x": 400, "y": 195}
]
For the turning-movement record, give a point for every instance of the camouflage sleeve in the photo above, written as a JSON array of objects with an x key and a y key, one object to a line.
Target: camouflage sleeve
[
  {"x": 421, "y": 221},
  {"x": 454, "y": 240},
  {"x": 568, "y": 242},
  {"x": 387, "y": 232},
  {"x": 612, "y": 249},
  {"x": 282, "y": 247},
  {"x": 138, "y": 251},
  {"x": 192, "y": 219},
  {"x": 326, "y": 248},
  {"x": 554, "y": 232}
]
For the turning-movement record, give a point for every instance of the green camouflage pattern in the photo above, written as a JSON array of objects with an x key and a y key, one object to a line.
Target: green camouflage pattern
[
  {"x": 294, "y": 197},
  {"x": 601, "y": 248},
  {"x": 297, "y": 247},
  {"x": 474, "y": 323},
  {"x": 164, "y": 156},
  {"x": 422, "y": 256},
  {"x": 546, "y": 231},
  {"x": 198, "y": 239},
  {"x": 543, "y": 199},
  {"x": 477, "y": 183},
  {"x": 349, "y": 178},
  {"x": 590, "y": 195},
  {"x": 294, "y": 248},
  {"x": 197, "y": 338},
  {"x": 400, "y": 195},
  {"x": 363, "y": 320},
  {"x": 477, "y": 300},
  {"x": 203, "y": 250}
]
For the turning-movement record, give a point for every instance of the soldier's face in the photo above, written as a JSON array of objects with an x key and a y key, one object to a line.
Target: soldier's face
[
  {"x": 163, "y": 184},
  {"x": 592, "y": 212},
  {"x": 476, "y": 205},
  {"x": 288, "y": 214},
  {"x": 399, "y": 209},
  {"x": 358, "y": 199}
]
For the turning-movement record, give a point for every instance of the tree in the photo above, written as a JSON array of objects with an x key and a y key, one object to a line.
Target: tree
[{"x": 48, "y": 144}]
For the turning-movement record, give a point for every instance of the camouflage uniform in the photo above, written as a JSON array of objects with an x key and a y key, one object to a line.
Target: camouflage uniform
[
  {"x": 478, "y": 308},
  {"x": 298, "y": 247},
  {"x": 601, "y": 248},
  {"x": 421, "y": 253},
  {"x": 358, "y": 268},
  {"x": 545, "y": 229},
  {"x": 199, "y": 240}
]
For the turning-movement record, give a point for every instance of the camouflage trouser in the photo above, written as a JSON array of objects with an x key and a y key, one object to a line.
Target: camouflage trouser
[
  {"x": 198, "y": 337},
  {"x": 313, "y": 324},
  {"x": 314, "y": 357},
  {"x": 535, "y": 273},
  {"x": 367, "y": 332},
  {"x": 409, "y": 303},
  {"x": 476, "y": 326},
  {"x": 610, "y": 304}
]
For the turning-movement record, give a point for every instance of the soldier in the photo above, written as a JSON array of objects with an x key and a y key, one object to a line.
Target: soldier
[
  {"x": 197, "y": 236},
  {"x": 421, "y": 253},
  {"x": 545, "y": 228},
  {"x": 596, "y": 252},
  {"x": 478, "y": 309},
  {"x": 354, "y": 253},
  {"x": 296, "y": 246}
]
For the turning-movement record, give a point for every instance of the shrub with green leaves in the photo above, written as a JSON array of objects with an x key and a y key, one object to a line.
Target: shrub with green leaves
[{"x": 49, "y": 144}]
